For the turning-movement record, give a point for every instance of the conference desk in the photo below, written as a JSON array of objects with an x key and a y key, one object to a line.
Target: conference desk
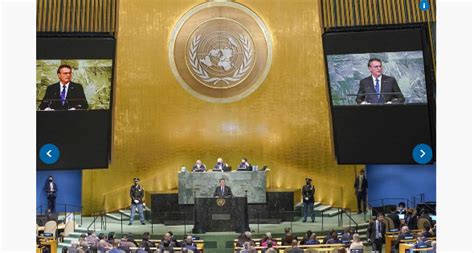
[
  {"x": 392, "y": 236},
  {"x": 50, "y": 243},
  {"x": 389, "y": 238},
  {"x": 327, "y": 248}
]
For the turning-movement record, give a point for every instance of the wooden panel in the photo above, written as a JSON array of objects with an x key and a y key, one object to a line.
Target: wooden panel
[
  {"x": 87, "y": 15},
  {"x": 357, "y": 12},
  {"x": 39, "y": 15},
  {"x": 363, "y": 14}
]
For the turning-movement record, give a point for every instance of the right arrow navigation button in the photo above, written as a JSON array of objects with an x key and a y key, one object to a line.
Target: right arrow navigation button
[{"x": 422, "y": 153}]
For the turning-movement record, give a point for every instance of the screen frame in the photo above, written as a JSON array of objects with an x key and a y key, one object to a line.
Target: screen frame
[
  {"x": 104, "y": 46},
  {"x": 429, "y": 70}
]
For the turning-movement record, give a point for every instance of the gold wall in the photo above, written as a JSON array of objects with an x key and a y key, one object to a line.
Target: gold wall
[{"x": 158, "y": 126}]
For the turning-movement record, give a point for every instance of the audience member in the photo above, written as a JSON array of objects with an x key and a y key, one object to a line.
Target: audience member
[
  {"x": 346, "y": 236},
  {"x": 427, "y": 232},
  {"x": 334, "y": 239},
  {"x": 82, "y": 242},
  {"x": 356, "y": 242},
  {"x": 166, "y": 247},
  {"x": 269, "y": 247},
  {"x": 306, "y": 237},
  {"x": 393, "y": 215},
  {"x": 294, "y": 247},
  {"x": 189, "y": 246},
  {"x": 312, "y": 240},
  {"x": 245, "y": 237},
  {"x": 328, "y": 236},
  {"x": 91, "y": 239},
  {"x": 411, "y": 219},
  {"x": 420, "y": 241},
  {"x": 168, "y": 237},
  {"x": 287, "y": 240},
  {"x": 266, "y": 239},
  {"x": 404, "y": 234},
  {"x": 103, "y": 245},
  {"x": 402, "y": 208},
  {"x": 146, "y": 244},
  {"x": 125, "y": 244},
  {"x": 248, "y": 248}
]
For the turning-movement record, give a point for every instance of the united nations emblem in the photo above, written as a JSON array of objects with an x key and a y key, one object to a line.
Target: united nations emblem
[
  {"x": 220, "y": 202},
  {"x": 220, "y": 51}
]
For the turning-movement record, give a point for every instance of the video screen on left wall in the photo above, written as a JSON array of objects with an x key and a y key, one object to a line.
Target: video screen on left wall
[
  {"x": 88, "y": 84},
  {"x": 74, "y": 84}
]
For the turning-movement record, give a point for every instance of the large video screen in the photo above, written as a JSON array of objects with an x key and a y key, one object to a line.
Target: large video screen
[
  {"x": 74, "y": 83},
  {"x": 381, "y": 88},
  {"x": 351, "y": 81},
  {"x": 88, "y": 84}
]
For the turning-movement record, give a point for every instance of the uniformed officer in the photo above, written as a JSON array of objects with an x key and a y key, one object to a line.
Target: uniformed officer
[{"x": 136, "y": 194}]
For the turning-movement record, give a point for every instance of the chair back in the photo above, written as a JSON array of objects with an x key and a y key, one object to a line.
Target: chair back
[
  {"x": 51, "y": 227},
  {"x": 421, "y": 223},
  {"x": 390, "y": 223},
  {"x": 69, "y": 228}
]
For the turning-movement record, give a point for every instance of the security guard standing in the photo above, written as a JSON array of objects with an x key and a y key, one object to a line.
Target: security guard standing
[
  {"x": 137, "y": 192},
  {"x": 307, "y": 192}
]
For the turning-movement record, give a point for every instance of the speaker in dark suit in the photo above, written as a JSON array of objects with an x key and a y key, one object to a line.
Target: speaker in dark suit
[
  {"x": 378, "y": 88},
  {"x": 65, "y": 94},
  {"x": 376, "y": 233},
  {"x": 222, "y": 190}
]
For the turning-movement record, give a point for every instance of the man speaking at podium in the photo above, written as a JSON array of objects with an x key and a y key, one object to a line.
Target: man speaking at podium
[
  {"x": 378, "y": 88},
  {"x": 222, "y": 190},
  {"x": 65, "y": 94}
]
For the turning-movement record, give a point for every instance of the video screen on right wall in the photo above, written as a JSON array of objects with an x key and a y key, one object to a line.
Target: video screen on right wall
[
  {"x": 381, "y": 87},
  {"x": 350, "y": 78}
]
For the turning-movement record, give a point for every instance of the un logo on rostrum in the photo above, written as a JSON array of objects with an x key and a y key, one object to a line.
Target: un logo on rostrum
[{"x": 220, "y": 51}]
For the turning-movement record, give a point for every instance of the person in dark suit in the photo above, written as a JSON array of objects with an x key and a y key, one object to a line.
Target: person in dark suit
[
  {"x": 51, "y": 190},
  {"x": 394, "y": 216},
  {"x": 307, "y": 192},
  {"x": 411, "y": 219},
  {"x": 402, "y": 208},
  {"x": 376, "y": 233},
  {"x": 372, "y": 88},
  {"x": 244, "y": 165},
  {"x": 220, "y": 165},
  {"x": 360, "y": 187},
  {"x": 65, "y": 94},
  {"x": 199, "y": 167},
  {"x": 404, "y": 235},
  {"x": 222, "y": 190}
]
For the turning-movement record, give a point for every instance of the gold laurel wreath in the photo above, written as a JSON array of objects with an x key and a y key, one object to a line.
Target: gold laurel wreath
[{"x": 238, "y": 74}]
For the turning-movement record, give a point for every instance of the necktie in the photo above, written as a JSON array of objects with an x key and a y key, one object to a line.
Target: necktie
[
  {"x": 377, "y": 88},
  {"x": 377, "y": 231},
  {"x": 63, "y": 95},
  {"x": 222, "y": 190}
]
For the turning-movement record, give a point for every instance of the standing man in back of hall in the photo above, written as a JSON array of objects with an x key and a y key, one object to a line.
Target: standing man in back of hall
[
  {"x": 137, "y": 192},
  {"x": 360, "y": 187},
  {"x": 51, "y": 190},
  {"x": 307, "y": 192}
]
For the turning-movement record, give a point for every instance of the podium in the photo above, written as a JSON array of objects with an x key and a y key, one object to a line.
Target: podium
[{"x": 221, "y": 215}]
